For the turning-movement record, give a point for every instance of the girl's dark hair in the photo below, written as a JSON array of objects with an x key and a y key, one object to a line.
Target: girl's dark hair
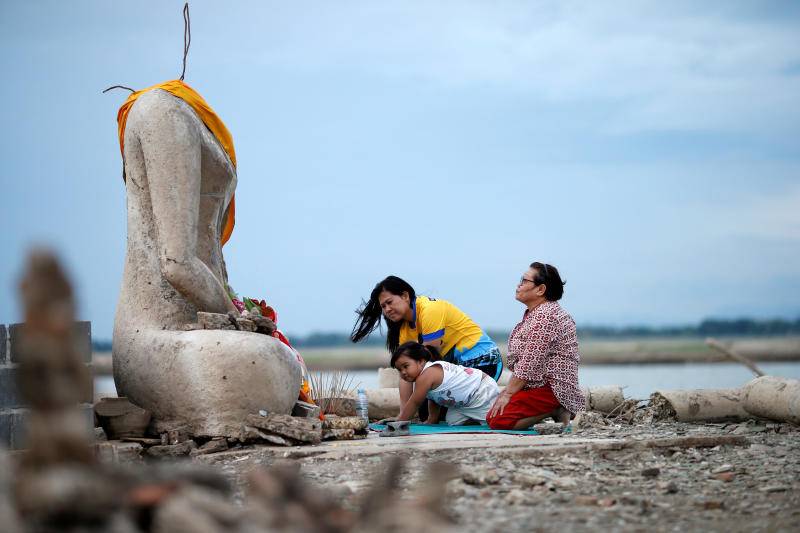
[
  {"x": 369, "y": 314},
  {"x": 548, "y": 274},
  {"x": 415, "y": 351}
]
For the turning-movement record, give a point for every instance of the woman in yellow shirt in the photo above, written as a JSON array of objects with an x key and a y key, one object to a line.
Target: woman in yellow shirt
[{"x": 430, "y": 321}]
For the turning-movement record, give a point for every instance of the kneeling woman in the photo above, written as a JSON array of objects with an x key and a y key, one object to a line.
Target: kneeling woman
[
  {"x": 542, "y": 354},
  {"x": 467, "y": 393},
  {"x": 429, "y": 321}
]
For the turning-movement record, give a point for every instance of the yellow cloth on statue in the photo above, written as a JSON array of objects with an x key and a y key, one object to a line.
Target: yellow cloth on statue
[{"x": 209, "y": 118}]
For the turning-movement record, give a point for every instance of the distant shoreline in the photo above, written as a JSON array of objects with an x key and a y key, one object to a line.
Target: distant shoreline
[{"x": 593, "y": 352}]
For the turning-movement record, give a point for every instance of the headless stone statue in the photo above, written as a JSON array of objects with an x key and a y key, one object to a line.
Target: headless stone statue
[{"x": 179, "y": 184}]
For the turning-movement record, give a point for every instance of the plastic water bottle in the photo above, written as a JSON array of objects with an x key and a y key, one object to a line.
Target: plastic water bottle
[{"x": 362, "y": 405}]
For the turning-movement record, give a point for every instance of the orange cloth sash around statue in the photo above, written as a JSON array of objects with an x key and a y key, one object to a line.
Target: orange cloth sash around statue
[{"x": 209, "y": 118}]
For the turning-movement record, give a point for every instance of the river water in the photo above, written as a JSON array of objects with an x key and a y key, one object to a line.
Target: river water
[{"x": 639, "y": 380}]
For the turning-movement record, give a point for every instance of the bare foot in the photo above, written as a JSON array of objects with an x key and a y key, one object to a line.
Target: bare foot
[{"x": 562, "y": 416}]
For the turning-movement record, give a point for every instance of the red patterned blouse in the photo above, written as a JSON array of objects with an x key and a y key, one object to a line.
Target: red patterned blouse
[{"x": 543, "y": 350}]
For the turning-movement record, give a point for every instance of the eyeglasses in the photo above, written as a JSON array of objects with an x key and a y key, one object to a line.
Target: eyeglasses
[{"x": 523, "y": 279}]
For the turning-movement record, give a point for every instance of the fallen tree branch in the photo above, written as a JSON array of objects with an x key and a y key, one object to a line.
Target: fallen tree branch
[{"x": 715, "y": 344}]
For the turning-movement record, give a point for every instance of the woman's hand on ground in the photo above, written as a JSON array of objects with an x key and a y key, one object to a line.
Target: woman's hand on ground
[
  {"x": 431, "y": 421},
  {"x": 499, "y": 405}
]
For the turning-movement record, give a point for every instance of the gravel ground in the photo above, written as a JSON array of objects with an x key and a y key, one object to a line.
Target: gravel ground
[{"x": 754, "y": 487}]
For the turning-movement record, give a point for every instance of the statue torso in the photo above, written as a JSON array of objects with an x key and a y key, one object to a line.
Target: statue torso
[{"x": 147, "y": 298}]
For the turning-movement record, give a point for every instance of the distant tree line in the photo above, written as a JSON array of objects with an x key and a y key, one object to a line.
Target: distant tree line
[
  {"x": 101, "y": 345},
  {"x": 707, "y": 328}
]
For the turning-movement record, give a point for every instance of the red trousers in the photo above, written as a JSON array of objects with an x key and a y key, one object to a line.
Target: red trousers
[{"x": 525, "y": 404}]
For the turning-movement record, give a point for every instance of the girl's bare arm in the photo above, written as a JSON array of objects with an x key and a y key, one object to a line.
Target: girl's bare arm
[{"x": 429, "y": 379}]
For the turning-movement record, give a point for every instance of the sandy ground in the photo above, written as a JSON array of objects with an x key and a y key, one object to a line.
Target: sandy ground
[{"x": 599, "y": 478}]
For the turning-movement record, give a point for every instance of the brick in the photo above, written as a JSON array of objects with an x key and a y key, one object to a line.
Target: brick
[
  {"x": 116, "y": 452},
  {"x": 9, "y": 396},
  {"x": 12, "y": 428},
  {"x": 5, "y": 429},
  {"x": 3, "y": 343},
  {"x": 83, "y": 340},
  {"x": 88, "y": 392},
  {"x": 14, "y": 331},
  {"x": 87, "y": 410},
  {"x": 82, "y": 335},
  {"x": 307, "y": 410}
]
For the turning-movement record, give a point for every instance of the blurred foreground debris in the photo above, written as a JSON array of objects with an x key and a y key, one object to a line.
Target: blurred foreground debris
[
  {"x": 52, "y": 378},
  {"x": 281, "y": 501}
]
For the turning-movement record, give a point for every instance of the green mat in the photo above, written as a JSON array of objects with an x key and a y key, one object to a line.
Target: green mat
[{"x": 441, "y": 427}]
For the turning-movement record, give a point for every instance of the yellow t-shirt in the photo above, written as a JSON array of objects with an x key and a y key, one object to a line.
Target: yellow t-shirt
[{"x": 439, "y": 319}]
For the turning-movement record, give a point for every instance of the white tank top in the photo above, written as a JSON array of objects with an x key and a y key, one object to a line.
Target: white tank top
[{"x": 458, "y": 385}]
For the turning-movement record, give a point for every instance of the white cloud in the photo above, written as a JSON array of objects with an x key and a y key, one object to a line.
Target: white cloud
[{"x": 690, "y": 67}]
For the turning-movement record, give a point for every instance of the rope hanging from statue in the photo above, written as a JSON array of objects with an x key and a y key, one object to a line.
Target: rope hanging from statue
[{"x": 187, "y": 42}]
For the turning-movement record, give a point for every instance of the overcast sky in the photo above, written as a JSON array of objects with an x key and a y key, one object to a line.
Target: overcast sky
[{"x": 650, "y": 150}]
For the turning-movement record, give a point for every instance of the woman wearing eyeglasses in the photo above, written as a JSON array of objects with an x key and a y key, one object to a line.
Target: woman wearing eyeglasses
[
  {"x": 429, "y": 321},
  {"x": 543, "y": 356}
]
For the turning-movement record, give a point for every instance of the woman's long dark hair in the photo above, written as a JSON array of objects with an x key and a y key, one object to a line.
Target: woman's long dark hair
[{"x": 369, "y": 314}]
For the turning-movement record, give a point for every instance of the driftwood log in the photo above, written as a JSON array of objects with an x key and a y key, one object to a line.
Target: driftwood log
[
  {"x": 605, "y": 399},
  {"x": 701, "y": 405},
  {"x": 773, "y": 397}
]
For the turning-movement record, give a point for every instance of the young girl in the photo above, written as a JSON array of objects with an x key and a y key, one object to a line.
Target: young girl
[
  {"x": 467, "y": 393},
  {"x": 430, "y": 321}
]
